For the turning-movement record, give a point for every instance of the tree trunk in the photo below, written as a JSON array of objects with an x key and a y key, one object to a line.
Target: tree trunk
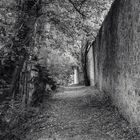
[
  {"x": 84, "y": 53},
  {"x": 28, "y": 14}
]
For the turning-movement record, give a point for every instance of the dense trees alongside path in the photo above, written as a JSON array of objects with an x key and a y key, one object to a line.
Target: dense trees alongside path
[{"x": 27, "y": 27}]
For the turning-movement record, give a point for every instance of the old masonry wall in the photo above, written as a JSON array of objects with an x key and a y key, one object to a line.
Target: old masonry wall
[{"x": 114, "y": 58}]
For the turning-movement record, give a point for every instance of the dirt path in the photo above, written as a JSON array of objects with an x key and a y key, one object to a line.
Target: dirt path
[{"x": 73, "y": 115}]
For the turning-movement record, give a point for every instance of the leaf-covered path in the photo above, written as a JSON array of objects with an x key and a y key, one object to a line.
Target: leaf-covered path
[{"x": 76, "y": 115}]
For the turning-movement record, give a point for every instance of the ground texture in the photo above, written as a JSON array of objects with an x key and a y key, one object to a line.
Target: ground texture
[{"x": 78, "y": 113}]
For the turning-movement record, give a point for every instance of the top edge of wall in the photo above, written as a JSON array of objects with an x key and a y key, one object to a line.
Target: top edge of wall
[{"x": 113, "y": 5}]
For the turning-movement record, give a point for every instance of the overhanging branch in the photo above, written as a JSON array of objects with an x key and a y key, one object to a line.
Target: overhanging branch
[
  {"x": 77, "y": 9},
  {"x": 81, "y": 4}
]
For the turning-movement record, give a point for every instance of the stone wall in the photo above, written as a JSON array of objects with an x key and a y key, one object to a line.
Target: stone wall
[
  {"x": 116, "y": 57},
  {"x": 76, "y": 75},
  {"x": 90, "y": 66}
]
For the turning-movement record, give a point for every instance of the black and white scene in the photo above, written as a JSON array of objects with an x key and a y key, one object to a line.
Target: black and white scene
[{"x": 69, "y": 69}]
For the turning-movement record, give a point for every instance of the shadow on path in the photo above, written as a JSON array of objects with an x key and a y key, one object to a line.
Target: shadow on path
[{"x": 75, "y": 114}]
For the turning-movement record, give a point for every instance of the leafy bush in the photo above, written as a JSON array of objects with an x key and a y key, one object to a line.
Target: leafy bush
[
  {"x": 42, "y": 79},
  {"x": 13, "y": 120}
]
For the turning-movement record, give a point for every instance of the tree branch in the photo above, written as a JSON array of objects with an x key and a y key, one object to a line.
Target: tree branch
[
  {"x": 81, "y": 4},
  {"x": 78, "y": 10}
]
